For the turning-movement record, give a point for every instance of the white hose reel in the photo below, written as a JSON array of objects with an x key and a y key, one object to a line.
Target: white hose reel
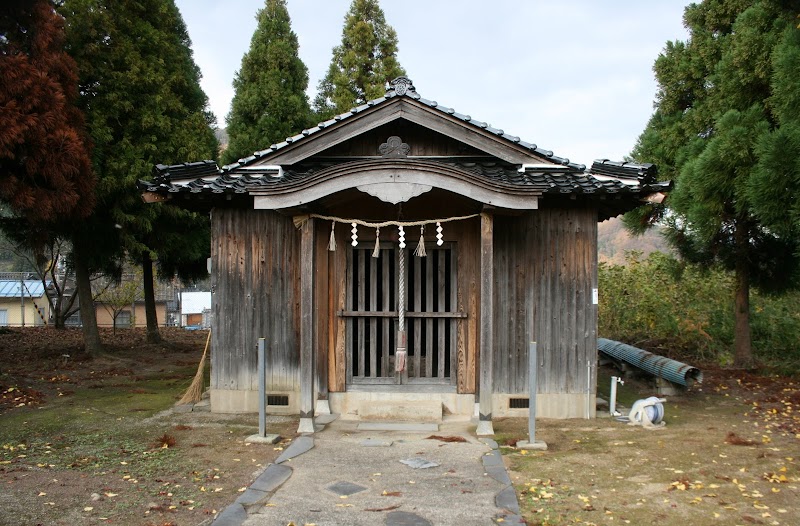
[{"x": 648, "y": 413}]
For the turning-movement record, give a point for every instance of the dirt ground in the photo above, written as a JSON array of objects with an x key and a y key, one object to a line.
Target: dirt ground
[
  {"x": 87, "y": 441},
  {"x": 729, "y": 454},
  {"x": 91, "y": 440}
]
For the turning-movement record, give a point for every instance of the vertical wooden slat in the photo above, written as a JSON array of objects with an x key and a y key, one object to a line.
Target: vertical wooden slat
[
  {"x": 338, "y": 293},
  {"x": 417, "y": 307},
  {"x": 522, "y": 336},
  {"x": 349, "y": 331},
  {"x": 402, "y": 253},
  {"x": 385, "y": 255},
  {"x": 321, "y": 303},
  {"x": 430, "y": 346},
  {"x": 441, "y": 349},
  {"x": 456, "y": 342},
  {"x": 503, "y": 310},
  {"x": 254, "y": 271},
  {"x": 362, "y": 269},
  {"x": 373, "y": 322}
]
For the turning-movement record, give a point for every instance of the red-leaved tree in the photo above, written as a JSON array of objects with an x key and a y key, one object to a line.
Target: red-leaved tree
[{"x": 45, "y": 166}]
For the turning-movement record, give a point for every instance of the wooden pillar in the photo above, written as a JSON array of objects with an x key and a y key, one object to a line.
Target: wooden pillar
[
  {"x": 306, "y": 326},
  {"x": 486, "y": 323}
]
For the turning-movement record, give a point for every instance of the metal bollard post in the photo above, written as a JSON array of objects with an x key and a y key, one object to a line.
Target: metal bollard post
[{"x": 533, "y": 369}]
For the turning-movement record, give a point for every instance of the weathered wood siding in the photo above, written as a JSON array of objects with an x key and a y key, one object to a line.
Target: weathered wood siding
[
  {"x": 255, "y": 284},
  {"x": 545, "y": 265}
]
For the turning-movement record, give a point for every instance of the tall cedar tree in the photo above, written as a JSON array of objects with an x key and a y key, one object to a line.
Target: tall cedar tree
[
  {"x": 362, "y": 64},
  {"x": 44, "y": 157},
  {"x": 714, "y": 104},
  {"x": 775, "y": 187},
  {"x": 143, "y": 103},
  {"x": 270, "y": 101}
]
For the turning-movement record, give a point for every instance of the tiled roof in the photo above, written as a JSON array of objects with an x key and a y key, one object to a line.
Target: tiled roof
[
  {"x": 542, "y": 179},
  {"x": 640, "y": 173},
  {"x": 402, "y": 87},
  {"x": 562, "y": 177}
]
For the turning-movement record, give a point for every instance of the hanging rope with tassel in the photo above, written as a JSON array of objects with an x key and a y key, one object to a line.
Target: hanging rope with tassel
[
  {"x": 376, "y": 252},
  {"x": 332, "y": 241},
  {"x": 401, "y": 351},
  {"x": 420, "y": 251}
]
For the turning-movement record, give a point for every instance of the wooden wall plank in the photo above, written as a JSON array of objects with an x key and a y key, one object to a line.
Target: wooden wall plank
[
  {"x": 254, "y": 279},
  {"x": 322, "y": 299},
  {"x": 545, "y": 271}
]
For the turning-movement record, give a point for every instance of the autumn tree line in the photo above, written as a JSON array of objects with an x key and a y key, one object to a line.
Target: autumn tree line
[{"x": 92, "y": 95}]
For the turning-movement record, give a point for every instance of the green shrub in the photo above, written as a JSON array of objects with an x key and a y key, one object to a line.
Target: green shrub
[{"x": 684, "y": 311}]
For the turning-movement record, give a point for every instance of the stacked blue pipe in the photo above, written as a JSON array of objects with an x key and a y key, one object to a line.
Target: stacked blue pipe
[{"x": 672, "y": 370}]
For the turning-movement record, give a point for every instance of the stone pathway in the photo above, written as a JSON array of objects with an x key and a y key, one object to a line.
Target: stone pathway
[{"x": 346, "y": 476}]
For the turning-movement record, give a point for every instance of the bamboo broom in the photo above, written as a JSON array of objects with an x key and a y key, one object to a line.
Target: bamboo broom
[{"x": 195, "y": 390}]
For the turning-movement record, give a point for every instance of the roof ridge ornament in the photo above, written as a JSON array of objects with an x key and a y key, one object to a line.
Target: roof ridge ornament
[{"x": 400, "y": 86}]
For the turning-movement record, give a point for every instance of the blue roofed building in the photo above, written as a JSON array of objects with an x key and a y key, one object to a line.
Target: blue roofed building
[{"x": 23, "y": 303}]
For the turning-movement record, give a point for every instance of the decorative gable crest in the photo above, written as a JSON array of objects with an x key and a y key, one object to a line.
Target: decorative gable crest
[
  {"x": 401, "y": 85},
  {"x": 394, "y": 147}
]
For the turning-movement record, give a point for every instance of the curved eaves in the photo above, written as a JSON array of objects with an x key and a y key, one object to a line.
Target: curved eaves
[{"x": 402, "y": 172}]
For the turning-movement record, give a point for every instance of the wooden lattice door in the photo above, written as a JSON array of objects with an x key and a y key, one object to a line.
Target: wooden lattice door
[{"x": 431, "y": 311}]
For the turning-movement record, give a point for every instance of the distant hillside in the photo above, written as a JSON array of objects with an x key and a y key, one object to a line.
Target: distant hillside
[
  {"x": 222, "y": 136},
  {"x": 613, "y": 241}
]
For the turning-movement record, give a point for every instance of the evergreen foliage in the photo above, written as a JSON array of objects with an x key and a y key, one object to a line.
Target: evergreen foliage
[
  {"x": 713, "y": 107},
  {"x": 682, "y": 310},
  {"x": 362, "y": 64},
  {"x": 143, "y": 103},
  {"x": 775, "y": 185},
  {"x": 44, "y": 154},
  {"x": 270, "y": 101}
]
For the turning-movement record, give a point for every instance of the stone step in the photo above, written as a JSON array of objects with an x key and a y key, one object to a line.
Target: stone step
[
  {"x": 410, "y": 427},
  {"x": 400, "y": 411}
]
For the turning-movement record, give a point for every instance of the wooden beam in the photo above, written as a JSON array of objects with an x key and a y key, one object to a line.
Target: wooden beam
[
  {"x": 394, "y": 314},
  {"x": 486, "y": 324},
  {"x": 306, "y": 327}
]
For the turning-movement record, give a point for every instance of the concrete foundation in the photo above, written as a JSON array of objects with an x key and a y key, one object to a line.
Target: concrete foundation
[
  {"x": 411, "y": 406},
  {"x": 548, "y": 405},
  {"x": 244, "y": 401},
  {"x": 378, "y": 405}
]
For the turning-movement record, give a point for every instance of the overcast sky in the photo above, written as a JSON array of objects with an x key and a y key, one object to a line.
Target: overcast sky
[{"x": 572, "y": 76}]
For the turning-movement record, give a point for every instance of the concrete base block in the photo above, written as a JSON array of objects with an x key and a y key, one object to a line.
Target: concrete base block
[
  {"x": 266, "y": 439},
  {"x": 401, "y": 411},
  {"x": 350, "y": 405},
  {"x": 485, "y": 428},
  {"x": 398, "y": 426},
  {"x": 536, "y": 445},
  {"x": 323, "y": 407},
  {"x": 306, "y": 425}
]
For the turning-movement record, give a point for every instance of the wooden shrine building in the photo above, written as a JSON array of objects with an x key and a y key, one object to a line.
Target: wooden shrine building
[{"x": 402, "y": 255}]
